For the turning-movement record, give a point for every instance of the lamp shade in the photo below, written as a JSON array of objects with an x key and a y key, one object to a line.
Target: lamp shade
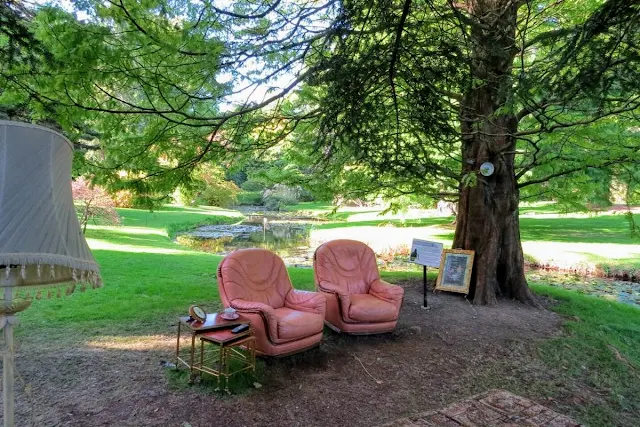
[{"x": 41, "y": 242}]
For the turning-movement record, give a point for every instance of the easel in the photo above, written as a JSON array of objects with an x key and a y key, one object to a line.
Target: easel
[
  {"x": 425, "y": 303},
  {"x": 425, "y": 253}
]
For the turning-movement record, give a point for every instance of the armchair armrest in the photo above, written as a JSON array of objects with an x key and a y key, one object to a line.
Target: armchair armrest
[
  {"x": 313, "y": 302},
  {"x": 386, "y": 291},
  {"x": 267, "y": 312},
  {"x": 326, "y": 286},
  {"x": 343, "y": 299}
]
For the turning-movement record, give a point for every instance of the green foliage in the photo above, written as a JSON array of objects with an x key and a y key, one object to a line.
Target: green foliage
[
  {"x": 470, "y": 179},
  {"x": 208, "y": 187},
  {"x": 252, "y": 186},
  {"x": 584, "y": 151},
  {"x": 148, "y": 88},
  {"x": 250, "y": 198},
  {"x": 279, "y": 196},
  {"x": 223, "y": 194}
]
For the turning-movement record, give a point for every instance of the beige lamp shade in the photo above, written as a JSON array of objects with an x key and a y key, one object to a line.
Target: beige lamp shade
[{"x": 41, "y": 242}]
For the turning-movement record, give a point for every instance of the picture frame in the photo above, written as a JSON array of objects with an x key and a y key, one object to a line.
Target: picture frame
[{"x": 454, "y": 275}]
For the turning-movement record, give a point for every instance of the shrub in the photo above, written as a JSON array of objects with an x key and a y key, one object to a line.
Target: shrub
[
  {"x": 281, "y": 195},
  {"x": 251, "y": 198},
  {"x": 123, "y": 199},
  {"x": 209, "y": 188},
  {"x": 222, "y": 194},
  {"x": 252, "y": 186}
]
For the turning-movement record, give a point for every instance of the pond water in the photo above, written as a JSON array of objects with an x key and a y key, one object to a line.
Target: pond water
[
  {"x": 615, "y": 290},
  {"x": 289, "y": 239}
]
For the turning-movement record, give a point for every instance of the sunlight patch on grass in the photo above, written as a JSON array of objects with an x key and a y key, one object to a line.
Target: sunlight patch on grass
[
  {"x": 127, "y": 230},
  {"x": 380, "y": 239},
  {"x": 96, "y": 244},
  {"x": 581, "y": 253},
  {"x": 133, "y": 342}
]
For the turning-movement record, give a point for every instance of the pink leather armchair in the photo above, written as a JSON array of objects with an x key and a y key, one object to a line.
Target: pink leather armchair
[
  {"x": 255, "y": 282},
  {"x": 358, "y": 302}
]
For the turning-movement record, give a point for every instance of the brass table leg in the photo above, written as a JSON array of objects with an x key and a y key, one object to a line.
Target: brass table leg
[
  {"x": 226, "y": 370},
  {"x": 220, "y": 364},
  {"x": 178, "y": 348},
  {"x": 193, "y": 350}
]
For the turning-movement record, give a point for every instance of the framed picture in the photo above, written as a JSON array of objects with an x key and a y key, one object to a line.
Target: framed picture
[{"x": 455, "y": 270}]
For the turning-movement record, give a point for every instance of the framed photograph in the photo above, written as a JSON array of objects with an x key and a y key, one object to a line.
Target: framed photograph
[{"x": 455, "y": 270}]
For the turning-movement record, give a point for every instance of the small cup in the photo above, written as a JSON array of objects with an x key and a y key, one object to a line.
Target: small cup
[{"x": 229, "y": 311}]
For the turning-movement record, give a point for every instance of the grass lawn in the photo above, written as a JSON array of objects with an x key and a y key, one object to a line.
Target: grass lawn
[
  {"x": 590, "y": 242},
  {"x": 600, "y": 348},
  {"x": 149, "y": 280}
]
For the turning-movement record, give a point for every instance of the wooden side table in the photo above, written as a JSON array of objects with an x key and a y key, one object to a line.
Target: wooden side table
[
  {"x": 214, "y": 321},
  {"x": 223, "y": 348}
]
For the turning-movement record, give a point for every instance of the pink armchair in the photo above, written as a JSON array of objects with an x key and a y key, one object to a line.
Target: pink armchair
[
  {"x": 358, "y": 301},
  {"x": 256, "y": 283}
]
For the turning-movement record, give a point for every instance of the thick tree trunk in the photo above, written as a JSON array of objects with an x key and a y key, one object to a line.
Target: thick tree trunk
[{"x": 487, "y": 220}]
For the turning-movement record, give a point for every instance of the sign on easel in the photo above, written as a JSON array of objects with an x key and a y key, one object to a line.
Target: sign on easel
[{"x": 427, "y": 254}]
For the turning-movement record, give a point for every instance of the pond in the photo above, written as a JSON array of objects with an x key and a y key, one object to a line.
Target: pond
[
  {"x": 614, "y": 290},
  {"x": 289, "y": 239}
]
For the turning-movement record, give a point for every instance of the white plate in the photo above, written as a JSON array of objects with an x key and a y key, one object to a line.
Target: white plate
[{"x": 233, "y": 316}]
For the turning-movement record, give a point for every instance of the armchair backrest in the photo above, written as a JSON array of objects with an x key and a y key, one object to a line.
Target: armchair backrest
[
  {"x": 347, "y": 264},
  {"x": 253, "y": 275}
]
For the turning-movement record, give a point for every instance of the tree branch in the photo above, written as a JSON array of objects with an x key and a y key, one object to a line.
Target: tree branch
[
  {"x": 631, "y": 105},
  {"x": 394, "y": 58},
  {"x": 572, "y": 170}
]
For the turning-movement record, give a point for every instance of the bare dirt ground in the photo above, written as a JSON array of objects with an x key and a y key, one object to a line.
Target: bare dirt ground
[{"x": 433, "y": 358}]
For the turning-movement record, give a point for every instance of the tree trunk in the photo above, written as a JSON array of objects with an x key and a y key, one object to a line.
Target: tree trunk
[{"x": 487, "y": 220}]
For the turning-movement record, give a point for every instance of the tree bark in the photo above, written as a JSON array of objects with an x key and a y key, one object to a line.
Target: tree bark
[{"x": 487, "y": 220}]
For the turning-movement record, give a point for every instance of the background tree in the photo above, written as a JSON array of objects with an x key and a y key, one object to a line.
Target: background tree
[
  {"x": 93, "y": 204},
  {"x": 407, "y": 97}
]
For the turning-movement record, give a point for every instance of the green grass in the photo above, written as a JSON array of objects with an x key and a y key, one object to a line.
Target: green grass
[
  {"x": 597, "y": 229},
  {"x": 160, "y": 219},
  {"x": 601, "y": 349},
  {"x": 149, "y": 280},
  {"x": 548, "y": 236},
  {"x": 538, "y": 208},
  {"x": 419, "y": 222}
]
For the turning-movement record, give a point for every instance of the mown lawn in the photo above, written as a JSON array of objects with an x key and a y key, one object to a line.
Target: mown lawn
[
  {"x": 149, "y": 280},
  {"x": 549, "y": 237},
  {"x": 601, "y": 349}
]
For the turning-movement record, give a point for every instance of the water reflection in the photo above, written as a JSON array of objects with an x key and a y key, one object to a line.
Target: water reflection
[{"x": 290, "y": 240}]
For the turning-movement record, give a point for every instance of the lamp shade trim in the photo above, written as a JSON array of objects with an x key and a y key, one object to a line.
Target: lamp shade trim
[
  {"x": 30, "y": 273},
  {"x": 47, "y": 259}
]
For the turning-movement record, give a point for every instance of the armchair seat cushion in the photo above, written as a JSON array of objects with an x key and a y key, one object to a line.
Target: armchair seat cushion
[
  {"x": 294, "y": 324},
  {"x": 367, "y": 308}
]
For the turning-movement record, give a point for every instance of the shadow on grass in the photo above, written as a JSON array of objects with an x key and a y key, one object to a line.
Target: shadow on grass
[
  {"x": 421, "y": 222},
  {"x": 601, "y": 229}
]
